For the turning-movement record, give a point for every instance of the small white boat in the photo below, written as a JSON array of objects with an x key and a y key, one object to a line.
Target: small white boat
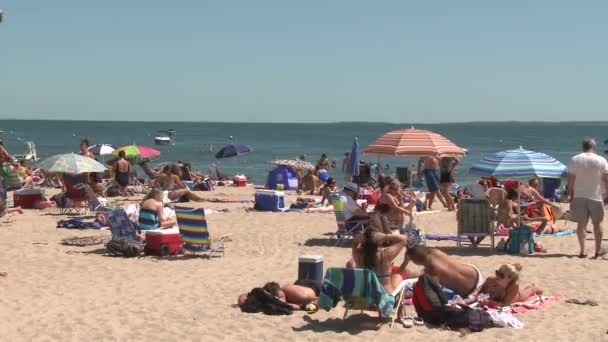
[
  {"x": 29, "y": 155},
  {"x": 162, "y": 140}
]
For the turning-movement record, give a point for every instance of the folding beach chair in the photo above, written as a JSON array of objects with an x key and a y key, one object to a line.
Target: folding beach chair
[
  {"x": 344, "y": 229},
  {"x": 475, "y": 220},
  {"x": 194, "y": 233},
  {"x": 125, "y": 241},
  {"x": 361, "y": 290},
  {"x": 96, "y": 204}
]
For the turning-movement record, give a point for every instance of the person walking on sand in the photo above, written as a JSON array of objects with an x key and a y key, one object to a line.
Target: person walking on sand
[
  {"x": 430, "y": 166},
  {"x": 587, "y": 172},
  {"x": 447, "y": 165}
]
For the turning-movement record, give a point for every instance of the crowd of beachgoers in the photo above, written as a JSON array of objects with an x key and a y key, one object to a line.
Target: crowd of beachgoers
[{"x": 390, "y": 253}]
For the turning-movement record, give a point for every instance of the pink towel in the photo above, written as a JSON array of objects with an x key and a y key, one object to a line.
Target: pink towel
[{"x": 533, "y": 303}]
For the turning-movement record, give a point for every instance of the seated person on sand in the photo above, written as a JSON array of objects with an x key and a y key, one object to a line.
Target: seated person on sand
[
  {"x": 445, "y": 270},
  {"x": 503, "y": 289},
  {"x": 169, "y": 180},
  {"x": 508, "y": 217},
  {"x": 299, "y": 295},
  {"x": 353, "y": 214},
  {"x": 529, "y": 193},
  {"x": 327, "y": 190},
  {"x": 311, "y": 182},
  {"x": 392, "y": 202},
  {"x": 376, "y": 251},
  {"x": 151, "y": 212}
]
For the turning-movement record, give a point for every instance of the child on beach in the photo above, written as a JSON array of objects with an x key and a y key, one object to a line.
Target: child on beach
[{"x": 503, "y": 289}]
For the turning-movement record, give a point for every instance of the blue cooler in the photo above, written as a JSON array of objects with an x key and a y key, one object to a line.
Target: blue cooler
[
  {"x": 310, "y": 267},
  {"x": 269, "y": 200}
]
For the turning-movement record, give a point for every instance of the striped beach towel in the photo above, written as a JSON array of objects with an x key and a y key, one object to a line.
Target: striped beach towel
[{"x": 359, "y": 288}]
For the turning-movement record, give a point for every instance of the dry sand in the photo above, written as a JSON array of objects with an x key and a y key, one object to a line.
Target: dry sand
[{"x": 57, "y": 293}]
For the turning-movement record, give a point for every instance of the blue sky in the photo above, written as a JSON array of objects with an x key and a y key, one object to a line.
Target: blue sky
[{"x": 393, "y": 61}]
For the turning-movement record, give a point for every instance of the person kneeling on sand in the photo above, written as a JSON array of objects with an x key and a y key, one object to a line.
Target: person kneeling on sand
[
  {"x": 301, "y": 295},
  {"x": 464, "y": 279},
  {"x": 503, "y": 289}
]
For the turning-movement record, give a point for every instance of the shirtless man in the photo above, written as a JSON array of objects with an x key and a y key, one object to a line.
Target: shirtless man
[
  {"x": 464, "y": 279},
  {"x": 298, "y": 295},
  {"x": 431, "y": 177},
  {"x": 507, "y": 213}
]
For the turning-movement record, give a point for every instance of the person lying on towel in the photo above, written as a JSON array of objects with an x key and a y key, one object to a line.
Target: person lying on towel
[
  {"x": 301, "y": 295},
  {"x": 503, "y": 289},
  {"x": 464, "y": 279}
]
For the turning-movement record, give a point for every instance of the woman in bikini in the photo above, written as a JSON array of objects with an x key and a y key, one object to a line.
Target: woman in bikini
[{"x": 504, "y": 289}]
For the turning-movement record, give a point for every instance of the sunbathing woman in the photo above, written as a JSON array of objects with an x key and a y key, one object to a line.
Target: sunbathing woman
[
  {"x": 392, "y": 200},
  {"x": 151, "y": 212},
  {"x": 170, "y": 180},
  {"x": 504, "y": 290},
  {"x": 376, "y": 251}
]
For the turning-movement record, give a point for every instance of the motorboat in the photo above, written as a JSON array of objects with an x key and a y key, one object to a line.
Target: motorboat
[{"x": 162, "y": 140}]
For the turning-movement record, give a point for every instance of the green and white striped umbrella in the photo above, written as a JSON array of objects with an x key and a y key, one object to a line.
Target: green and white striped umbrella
[{"x": 71, "y": 163}]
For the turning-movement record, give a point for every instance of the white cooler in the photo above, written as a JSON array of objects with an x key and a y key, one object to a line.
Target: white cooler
[{"x": 310, "y": 267}]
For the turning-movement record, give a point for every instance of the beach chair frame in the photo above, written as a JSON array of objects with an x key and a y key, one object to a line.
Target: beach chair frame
[
  {"x": 195, "y": 236},
  {"x": 475, "y": 219},
  {"x": 342, "y": 233}
]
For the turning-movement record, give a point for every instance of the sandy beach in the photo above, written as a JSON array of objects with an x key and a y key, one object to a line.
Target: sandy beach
[{"x": 60, "y": 293}]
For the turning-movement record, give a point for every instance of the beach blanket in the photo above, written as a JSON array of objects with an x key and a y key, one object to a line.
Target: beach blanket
[
  {"x": 84, "y": 241},
  {"x": 358, "y": 287},
  {"x": 533, "y": 303},
  {"x": 562, "y": 233}
]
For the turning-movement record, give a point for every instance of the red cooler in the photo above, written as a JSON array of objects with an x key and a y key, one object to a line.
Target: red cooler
[
  {"x": 240, "y": 181},
  {"x": 163, "y": 242},
  {"x": 27, "y": 198}
]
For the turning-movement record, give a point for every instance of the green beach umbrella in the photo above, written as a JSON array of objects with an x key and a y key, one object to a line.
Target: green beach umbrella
[{"x": 71, "y": 163}]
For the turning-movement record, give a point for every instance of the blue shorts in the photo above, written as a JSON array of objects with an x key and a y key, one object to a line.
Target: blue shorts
[{"x": 431, "y": 177}]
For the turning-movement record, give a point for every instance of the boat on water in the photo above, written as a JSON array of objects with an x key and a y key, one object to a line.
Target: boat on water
[
  {"x": 162, "y": 140},
  {"x": 29, "y": 155}
]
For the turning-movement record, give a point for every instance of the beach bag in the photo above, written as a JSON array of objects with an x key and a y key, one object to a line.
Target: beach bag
[
  {"x": 520, "y": 241},
  {"x": 429, "y": 301},
  {"x": 259, "y": 300},
  {"x": 125, "y": 248}
]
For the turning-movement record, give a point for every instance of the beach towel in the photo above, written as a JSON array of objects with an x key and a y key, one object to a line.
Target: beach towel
[
  {"x": 358, "y": 287},
  {"x": 229, "y": 200},
  {"x": 562, "y": 233},
  {"x": 439, "y": 237},
  {"x": 533, "y": 303}
]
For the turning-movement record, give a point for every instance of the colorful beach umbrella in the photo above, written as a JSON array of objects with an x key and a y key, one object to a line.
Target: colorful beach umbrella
[
  {"x": 414, "y": 143},
  {"x": 519, "y": 163},
  {"x": 71, "y": 163},
  {"x": 102, "y": 149},
  {"x": 138, "y": 152},
  {"x": 294, "y": 164},
  {"x": 233, "y": 150},
  {"x": 355, "y": 159}
]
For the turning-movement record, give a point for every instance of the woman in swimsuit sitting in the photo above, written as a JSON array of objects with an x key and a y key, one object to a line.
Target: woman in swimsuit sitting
[
  {"x": 376, "y": 251},
  {"x": 392, "y": 202},
  {"x": 171, "y": 181},
  {"x": 504, "y": 290},
  {"x": 151, "y": 212}
]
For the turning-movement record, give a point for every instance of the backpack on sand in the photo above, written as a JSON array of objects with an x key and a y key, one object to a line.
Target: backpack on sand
[
  {"x": 125, "y": 248},
  {"x": 520, "y": 241}
]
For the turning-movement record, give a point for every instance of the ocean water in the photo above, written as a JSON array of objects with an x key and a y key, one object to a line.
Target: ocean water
[{"x": 194, "y": 140}]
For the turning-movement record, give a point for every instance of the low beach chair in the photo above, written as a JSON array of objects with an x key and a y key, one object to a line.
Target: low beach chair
[
  {"x": 475, "y": 220},
  {"x": 361, "y": 290},
  {"x": 121, "y": 225},
  {"x": 194, "y": 233},
  {"x": 344, "y": 230}
]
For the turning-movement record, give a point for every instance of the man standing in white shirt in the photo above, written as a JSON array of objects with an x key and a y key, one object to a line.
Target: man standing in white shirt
[{"x": 587, "y": 174}]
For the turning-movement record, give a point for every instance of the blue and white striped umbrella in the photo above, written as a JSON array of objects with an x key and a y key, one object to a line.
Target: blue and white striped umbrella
[{"x": 519, "y": 163}]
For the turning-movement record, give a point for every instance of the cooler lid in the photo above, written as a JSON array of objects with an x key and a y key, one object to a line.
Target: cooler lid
[
  {"x": 311, "y": 258},
  {"x": 269, "y": 192},
  {"x": 28, "y": 192},
  {"x": 168, "y": 231}
]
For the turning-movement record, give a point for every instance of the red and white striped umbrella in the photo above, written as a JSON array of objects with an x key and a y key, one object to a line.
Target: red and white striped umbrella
[{"x": 414, "y": 143}]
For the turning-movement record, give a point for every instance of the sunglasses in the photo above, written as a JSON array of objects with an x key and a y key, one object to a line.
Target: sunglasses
[{"x": 500, "y": 275}]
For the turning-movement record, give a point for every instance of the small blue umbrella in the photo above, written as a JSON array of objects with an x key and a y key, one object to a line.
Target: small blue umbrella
[
  {"x": 233, "y": 150},
  {"x": 519, "y": 163},
  {"x": 355, "y": 159}
]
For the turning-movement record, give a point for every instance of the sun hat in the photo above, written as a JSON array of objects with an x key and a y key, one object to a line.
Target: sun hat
[{"x": 351, "y": 186}]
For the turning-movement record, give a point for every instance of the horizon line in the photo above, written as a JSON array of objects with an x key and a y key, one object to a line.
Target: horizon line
[{"x": 315, "y": 121}]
